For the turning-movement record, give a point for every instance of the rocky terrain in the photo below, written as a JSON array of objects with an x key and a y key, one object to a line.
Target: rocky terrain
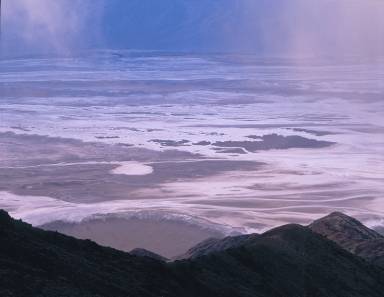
[
  {"x": 291, "y": 260},
  {"x": 352, "y": 236}
]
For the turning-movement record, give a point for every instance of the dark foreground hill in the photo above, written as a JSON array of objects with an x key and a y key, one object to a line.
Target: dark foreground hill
[{"x": 288, "y": 261}]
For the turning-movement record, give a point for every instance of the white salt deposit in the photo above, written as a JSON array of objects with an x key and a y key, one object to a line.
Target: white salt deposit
[{"x": 132, "y": 168}]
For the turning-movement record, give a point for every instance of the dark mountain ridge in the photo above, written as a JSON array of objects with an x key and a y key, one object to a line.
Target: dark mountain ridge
[
  {"x": 291, "y": 260},
  {"x": 352, "y": 235}
]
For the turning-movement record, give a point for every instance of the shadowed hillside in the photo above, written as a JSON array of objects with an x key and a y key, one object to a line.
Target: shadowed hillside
[{"x": 287, "y": 261}]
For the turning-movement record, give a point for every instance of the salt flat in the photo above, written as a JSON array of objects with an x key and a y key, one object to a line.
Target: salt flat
[{"x": 242, "y": 145}]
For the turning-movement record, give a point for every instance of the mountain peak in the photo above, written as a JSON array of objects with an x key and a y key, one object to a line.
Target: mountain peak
[
  {"x": 338, "y": 214},
  {"x": 352, "y": 235},
  {"x": 138, "y": 252},
  {"x": 337, "y": 223}
]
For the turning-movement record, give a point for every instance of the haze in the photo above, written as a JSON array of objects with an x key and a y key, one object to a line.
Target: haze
[
  {"x": 159, "y": 123},
  {"x": 268, "y": 27}
]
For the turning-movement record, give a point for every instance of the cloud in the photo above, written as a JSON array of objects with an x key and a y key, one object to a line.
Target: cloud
[
  {"x": 309, "y": 27},
  {"x": 270, "y": 27},
  {"x": 335, "y": 27},
  {"x": 48, "y": 25}
]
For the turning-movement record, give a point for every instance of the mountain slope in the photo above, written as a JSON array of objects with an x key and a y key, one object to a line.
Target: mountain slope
[
  {"x": 41, "y": 263},
  {"x": 287, "y": 261},
  {"x": 145, "y": 253},
  {"x": 212, "y": 245},
  {"x": 352, "y": 235}
]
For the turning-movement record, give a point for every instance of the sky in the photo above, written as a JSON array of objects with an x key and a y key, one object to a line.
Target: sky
[{"x": 268, "y": 27}]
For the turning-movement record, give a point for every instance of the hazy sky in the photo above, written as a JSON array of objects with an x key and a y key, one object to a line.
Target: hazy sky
[{"x": 274, "y": 27}]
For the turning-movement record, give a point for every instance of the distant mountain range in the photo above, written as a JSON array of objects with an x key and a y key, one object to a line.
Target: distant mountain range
[{"x": 335, "y": 256}]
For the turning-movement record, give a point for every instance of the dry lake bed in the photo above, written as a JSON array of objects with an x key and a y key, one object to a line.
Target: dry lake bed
[{"x": 162, "y": 151}]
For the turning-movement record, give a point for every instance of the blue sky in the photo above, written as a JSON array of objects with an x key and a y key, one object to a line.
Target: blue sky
[{"x": 270, "y": 27}]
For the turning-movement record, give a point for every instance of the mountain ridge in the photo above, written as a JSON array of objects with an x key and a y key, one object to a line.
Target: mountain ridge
[
  {"x": 290, "y": 260},
  {"x": 351, "y": 235}
]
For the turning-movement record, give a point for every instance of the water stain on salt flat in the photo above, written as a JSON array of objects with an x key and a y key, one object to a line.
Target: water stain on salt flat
[
  {"x": 90, "y": 174},
  {"x": 172, "y": 143},
  {"x": 275, "y": 141}
]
